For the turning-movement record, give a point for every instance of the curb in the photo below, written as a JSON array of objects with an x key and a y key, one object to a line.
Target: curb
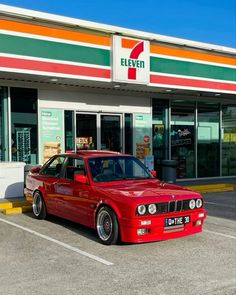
[
  {"x": 14, "y": 207},
  {"x": 212, "y": 188}
]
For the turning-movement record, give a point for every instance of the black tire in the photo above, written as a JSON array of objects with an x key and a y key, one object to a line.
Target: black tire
[
  {"x": 107, "y": 226},
  {"x": 39, "y": 208}
]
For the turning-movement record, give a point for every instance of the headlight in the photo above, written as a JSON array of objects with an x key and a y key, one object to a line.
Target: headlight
[
  {"x": 152, "y": 208},
  {"x": 199, "y": 203},
  {"x": 192, "y": 204},
  {"x": 141, "y": 209}
]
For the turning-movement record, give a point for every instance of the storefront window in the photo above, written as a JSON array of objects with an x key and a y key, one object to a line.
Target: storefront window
[
  {"x": 24, "y": 137},
  {"x": 128, "y": 134},
  {"x": 111, "y": 133},
  {"x": 4, "y": 139},
  {"x": 228, "y": 140},
  {"x": 208, "y": 140},
  {"x": 183, "y": 138},
  {"x": 159, "y": 132},
  {"x": 69, "y": 131},
  {"x": 86, "y": 131}
]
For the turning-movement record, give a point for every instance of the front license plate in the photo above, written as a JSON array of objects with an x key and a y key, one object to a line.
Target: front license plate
[{"x": 177, "y": 220}]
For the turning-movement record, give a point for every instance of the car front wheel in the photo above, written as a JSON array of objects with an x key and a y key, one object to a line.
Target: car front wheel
[
  {"x": 39, "y": 208},
  {"x": 107, "y": 226}
]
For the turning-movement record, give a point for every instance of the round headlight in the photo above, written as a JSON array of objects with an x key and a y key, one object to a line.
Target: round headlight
[
  {"x": 152, "y": 208},
  {"x": 199, "y": 203},
  {"x": 141, "y": 209},
  {"x": 192, "y": 204}
]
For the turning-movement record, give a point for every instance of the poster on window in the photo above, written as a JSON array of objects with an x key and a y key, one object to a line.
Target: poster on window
[
  {"x": 51, "y": 133},
  {"x": 142, "y": 135}
]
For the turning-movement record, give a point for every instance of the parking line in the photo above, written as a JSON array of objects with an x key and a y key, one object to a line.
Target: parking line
[
  {"x": 219, "y": 234},
  {"x": 74, "y": 249}
]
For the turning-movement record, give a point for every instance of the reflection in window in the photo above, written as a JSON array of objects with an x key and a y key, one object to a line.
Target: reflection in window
[
  {"x": 69, "y": 131},
  {"x": 228, "y": 140},
  {"x": 183, "y": 138},
  {"x": 86, "y": 131},
  {"x": 159, "y": 132},
  {"x": 208, "y": 140},
  {"x": 24, "y": 125}
]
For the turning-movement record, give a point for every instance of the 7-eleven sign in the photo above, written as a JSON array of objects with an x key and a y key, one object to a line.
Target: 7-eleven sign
[{"x": 130, "y": 60}]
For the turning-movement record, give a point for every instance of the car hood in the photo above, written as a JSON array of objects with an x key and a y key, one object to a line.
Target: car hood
[{"x": 147, "y": 188}]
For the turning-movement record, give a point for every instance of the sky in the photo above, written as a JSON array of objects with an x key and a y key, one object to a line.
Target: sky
[{"x": 210, "y": 21}]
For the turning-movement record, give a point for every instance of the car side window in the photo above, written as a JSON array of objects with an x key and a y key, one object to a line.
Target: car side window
[
  {"x": 74, "y": 166},
  {"x": 54, "y": 167}
]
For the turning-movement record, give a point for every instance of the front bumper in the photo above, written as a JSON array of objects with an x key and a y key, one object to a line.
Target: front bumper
[{"x": 156, "y": 230}]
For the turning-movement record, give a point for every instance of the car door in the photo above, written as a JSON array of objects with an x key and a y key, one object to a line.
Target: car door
[
  {"x": 73, "y": 197},
  {"x": 50, "y": 176}
]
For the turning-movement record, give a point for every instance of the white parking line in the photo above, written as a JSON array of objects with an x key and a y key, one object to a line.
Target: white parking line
[
  {"x": 91, "y": 256},
  {"x": 219, "y": 234}
]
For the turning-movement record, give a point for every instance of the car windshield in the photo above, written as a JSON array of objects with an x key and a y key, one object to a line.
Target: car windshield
[{"x": 114, "y": 168}]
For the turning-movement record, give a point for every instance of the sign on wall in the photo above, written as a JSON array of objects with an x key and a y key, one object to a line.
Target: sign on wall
[
  {"x": 131, "y": 61},
  {"x": 142, "y": 135},
  {"x": 51, "y": 133}
]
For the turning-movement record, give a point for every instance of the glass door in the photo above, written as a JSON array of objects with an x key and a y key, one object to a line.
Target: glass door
[
  {"x": 86, "y": 131},
  {"x": 111, "y": 135}
]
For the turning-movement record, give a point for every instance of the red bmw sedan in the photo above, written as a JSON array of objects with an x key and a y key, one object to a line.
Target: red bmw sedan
[{"x": 115, "y": 194}]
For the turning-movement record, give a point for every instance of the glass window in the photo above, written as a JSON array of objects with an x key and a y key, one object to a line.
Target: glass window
[
  {"x": 160, "y": 110},
  {"x": 86, "y": 131},
  {"x": 208, "y": 139},
  {"x": 228, "y": 140},
  {"x": 24, "y": 125},
  {"x": 69, "y": 131},
  {"x": 74, "y": 166},
  {"x": 53, "y": 167},
  {"x": 111, "y": 133},
  {"x": 4, "y": 130},
  {"x": 129, "y": 134},
  {"x": 117, "y": 168},
  {"x": 183, "y": 137}
]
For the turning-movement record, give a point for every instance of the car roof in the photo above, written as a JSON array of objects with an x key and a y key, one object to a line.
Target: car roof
[{"x": 94, "y": 153}]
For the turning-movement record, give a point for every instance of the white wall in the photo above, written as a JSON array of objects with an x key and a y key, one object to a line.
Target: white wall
[{"x": 93, "y": 102}]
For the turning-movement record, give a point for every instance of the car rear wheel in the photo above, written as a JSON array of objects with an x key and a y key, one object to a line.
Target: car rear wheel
[
  {"x": 107, "y": 226},
  {"x": 39, "y": 208}
]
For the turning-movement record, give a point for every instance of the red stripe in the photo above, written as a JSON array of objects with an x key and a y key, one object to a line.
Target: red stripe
[
  {"x": 136, "y": 51},
  {"x": 53, "y": 67},
  {"x": 191, "y": 82}
]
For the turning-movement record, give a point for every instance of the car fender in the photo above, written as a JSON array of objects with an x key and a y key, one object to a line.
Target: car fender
[{"x": 110, "y": 204}]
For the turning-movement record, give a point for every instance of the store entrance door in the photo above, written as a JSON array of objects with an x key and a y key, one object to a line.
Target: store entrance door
[
  {"x": 111, "y": 138},
  {"x": 86, "y": 131},
  {"x": 99, "y": 131}
]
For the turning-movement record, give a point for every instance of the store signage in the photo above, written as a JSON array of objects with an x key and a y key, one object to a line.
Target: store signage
[
  {"x": 51, "y": 133},
  {"x": 130, "y": 60}
]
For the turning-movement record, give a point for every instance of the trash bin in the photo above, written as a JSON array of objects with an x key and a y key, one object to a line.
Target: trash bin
[{"x": 169, "y": 170}]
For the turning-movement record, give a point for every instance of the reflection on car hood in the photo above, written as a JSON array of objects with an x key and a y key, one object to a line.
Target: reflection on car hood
[{"x": 147, "y": 188}]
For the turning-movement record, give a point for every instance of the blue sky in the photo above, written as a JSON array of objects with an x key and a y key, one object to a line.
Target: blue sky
[{"x": 211, "y": 21}]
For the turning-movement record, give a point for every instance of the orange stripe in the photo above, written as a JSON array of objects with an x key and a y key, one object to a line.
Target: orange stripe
[
  {"x": 128, "y": 43},
  {"x": 54, "y": 32},
  {"x": 192, "y": 54}
]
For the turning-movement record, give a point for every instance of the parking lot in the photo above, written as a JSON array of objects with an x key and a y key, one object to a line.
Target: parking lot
[{"x": 55, "y": 256}]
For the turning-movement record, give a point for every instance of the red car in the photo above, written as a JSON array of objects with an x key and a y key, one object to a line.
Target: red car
[{"x": 115, "y": 194}]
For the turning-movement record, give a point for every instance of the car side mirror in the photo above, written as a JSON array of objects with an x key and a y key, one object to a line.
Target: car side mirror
[
  {"x": 81, "y": 178},
  {"x": 35, "y": 170},
  {"x": 154, "y": 173}
]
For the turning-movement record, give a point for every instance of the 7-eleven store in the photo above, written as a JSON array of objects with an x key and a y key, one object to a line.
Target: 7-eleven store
[{"x": 69, "y": 84}]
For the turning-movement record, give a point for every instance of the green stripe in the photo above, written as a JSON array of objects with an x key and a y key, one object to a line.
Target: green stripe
[
  {"x": 178, "y": 67},
  {"x": 54, "y": 50}
]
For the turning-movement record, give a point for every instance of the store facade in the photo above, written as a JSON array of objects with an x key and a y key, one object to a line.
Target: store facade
[{"x": 67, "y": 84}]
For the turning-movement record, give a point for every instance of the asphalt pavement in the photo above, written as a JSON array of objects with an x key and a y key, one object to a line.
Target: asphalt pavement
[{"x": 55, "y": 256}]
